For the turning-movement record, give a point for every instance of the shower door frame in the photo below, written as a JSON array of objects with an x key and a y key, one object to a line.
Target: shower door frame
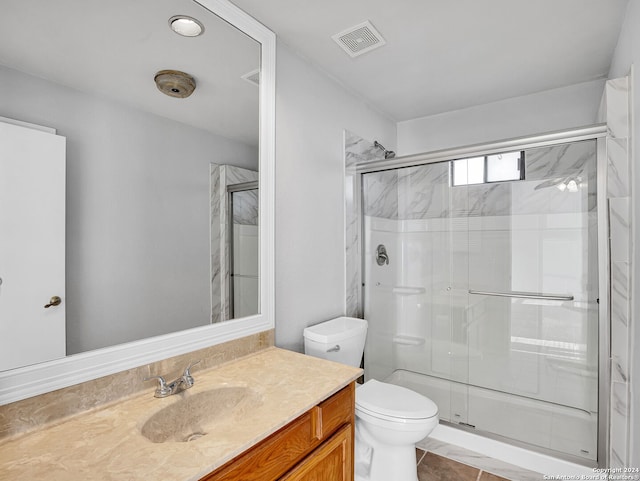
[
  {"x": 597, "y": 133},
  {"x": 232, "y": 189}
]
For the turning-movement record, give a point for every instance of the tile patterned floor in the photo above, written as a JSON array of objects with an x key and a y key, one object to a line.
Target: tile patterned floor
[
  {"x": 489, "y": 465},
  {"x": 432, "y": 467}
]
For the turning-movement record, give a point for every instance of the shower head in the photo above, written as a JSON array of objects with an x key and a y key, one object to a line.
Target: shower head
[{"x": 388, "y": 154}]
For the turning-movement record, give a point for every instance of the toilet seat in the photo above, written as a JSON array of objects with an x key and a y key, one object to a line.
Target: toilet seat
[
  {"x": 393, "y": 403},
  {"x": 389, "y": 422}
]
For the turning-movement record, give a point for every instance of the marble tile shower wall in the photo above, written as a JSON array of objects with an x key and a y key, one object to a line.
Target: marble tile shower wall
[
  {"x": 356, "y": 150},
  {"x": 214, "y": 234},
  {"x": 615, "y": 110},
  {"x": 245, "y": 208},
  {"x": 424, "y": 192}
]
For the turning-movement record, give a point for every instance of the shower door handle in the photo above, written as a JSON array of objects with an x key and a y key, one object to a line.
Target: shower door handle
[{"x": 524, "y": 295}]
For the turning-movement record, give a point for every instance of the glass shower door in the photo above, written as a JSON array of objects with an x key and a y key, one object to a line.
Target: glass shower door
[
  {"x": 243, "y": 252},
  {"x": 486, "y": 298},
  {"x": 532, "y": 313},
  {"x": 415, "y": 299}
]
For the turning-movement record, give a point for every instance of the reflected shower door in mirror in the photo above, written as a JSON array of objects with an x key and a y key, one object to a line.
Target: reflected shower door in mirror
[
  {"x": 234, "y": 243},
  {"x": 243, "y": 255},
  {"x": 117, "y": 82}
]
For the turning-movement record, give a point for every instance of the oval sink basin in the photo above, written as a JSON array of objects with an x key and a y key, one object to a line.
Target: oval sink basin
[{"x": 193, "y": 416}]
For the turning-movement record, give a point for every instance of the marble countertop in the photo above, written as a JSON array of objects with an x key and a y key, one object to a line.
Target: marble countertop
[{"x": 106, "y": 444}]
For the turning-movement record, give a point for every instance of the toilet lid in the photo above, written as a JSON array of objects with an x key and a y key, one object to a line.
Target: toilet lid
[{"x": 395, "y": 401}]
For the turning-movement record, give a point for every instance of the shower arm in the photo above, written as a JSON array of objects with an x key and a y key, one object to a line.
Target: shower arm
[{"x": 388, "y": 154}]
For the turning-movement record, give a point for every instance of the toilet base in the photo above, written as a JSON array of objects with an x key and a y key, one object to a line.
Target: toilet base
[
  {"x": 383, "y": 454},
  {"x": 397, "y": 463}
]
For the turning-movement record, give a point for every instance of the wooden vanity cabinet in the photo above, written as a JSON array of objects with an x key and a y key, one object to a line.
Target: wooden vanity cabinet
[
  {"x": 317, "y": 446},
  {"x": 333, "y": 461}
]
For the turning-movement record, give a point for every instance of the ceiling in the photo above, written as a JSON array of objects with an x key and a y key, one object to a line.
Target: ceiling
[
  {"x": 444, "y": 55},
  {"x": 114, "y": 48}
]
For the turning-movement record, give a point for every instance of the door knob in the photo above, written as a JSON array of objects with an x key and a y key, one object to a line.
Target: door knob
[{"x": 54, "y": 301}]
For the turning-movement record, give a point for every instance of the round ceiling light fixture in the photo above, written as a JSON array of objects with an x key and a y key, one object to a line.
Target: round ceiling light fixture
[
  {"x": 175, "y": 83},
  {"x": 186, "y": 26}
]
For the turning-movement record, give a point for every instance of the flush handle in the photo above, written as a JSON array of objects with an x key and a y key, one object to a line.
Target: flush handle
[
  {"x": 335, "y": 348},
  {"x": 54, "y": 301}
]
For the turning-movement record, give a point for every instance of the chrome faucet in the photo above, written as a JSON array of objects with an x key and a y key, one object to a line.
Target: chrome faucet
[{"x": 180, "y": 384}]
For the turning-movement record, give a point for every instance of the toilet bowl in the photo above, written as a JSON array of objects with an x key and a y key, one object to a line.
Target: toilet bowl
[{"x": 390, "y": 419}]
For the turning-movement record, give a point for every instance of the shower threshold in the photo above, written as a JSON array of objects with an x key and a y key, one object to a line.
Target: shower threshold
[{"x": 562, "y": 432}]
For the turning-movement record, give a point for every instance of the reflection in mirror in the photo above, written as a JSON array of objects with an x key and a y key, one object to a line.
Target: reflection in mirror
[
  {"x": 243, "y": 237},
  {"x": 234, "y": 243},
  {"x": 136, "y": 242}
]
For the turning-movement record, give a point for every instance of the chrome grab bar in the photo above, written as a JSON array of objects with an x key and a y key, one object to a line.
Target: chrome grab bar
[{"x": 523, "y": 295}]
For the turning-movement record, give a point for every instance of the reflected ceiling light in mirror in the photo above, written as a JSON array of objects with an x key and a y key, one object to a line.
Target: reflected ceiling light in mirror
[
  {"x": 186, "y": 26},
  {"x": 175, "y": 83}
]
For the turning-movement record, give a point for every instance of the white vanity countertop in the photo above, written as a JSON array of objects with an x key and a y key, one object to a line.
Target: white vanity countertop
[{"x": 106, "y": 444}]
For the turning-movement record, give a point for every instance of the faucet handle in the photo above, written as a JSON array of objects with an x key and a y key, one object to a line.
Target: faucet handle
[
  {"x": 186, "y": 375},
  {"x": 187, "y": 371},
  {"x": 162, "y": 390}
]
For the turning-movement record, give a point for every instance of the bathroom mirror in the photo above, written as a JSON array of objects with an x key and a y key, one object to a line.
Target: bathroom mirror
[{"x": 140, "y": 258}]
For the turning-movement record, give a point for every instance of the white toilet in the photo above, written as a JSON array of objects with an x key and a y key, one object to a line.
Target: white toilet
[{"x": 390, "y": 419}]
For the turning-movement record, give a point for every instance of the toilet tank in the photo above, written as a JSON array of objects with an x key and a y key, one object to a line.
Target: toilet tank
[{"x": 340, "y": 340}]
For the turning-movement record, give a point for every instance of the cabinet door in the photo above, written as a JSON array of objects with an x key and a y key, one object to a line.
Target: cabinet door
[{"x": 331, "y": 461}]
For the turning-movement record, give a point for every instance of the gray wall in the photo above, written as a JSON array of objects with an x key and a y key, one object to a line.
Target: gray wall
[
  {"x": 627, "y": 55},
  {"x": 557, "y": 109},
  {"x": 310, "y": 237},
  {"x": 137, "y": 211},
  {"x": 312, "y": 112}
]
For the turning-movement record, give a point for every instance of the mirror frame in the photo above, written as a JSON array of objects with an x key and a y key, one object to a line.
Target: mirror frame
[{"x": 28, "y": 381}]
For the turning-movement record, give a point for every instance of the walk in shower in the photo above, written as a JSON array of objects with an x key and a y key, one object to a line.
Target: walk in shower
[{"x": 481, "y": 287}]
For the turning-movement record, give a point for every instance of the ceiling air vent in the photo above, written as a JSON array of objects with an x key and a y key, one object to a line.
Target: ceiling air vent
[
  {"x": 252, "y": 77},
  {"x": 359, "y": 39}
]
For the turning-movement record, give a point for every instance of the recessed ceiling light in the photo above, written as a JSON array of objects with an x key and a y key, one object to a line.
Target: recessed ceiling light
[{"x": 186, "y": 26}]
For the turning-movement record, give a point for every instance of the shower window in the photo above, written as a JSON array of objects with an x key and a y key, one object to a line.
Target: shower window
[
  {"x": 468, "y": 171},
  {"x": 488, "y": 168},
  {"x": 507, "y": 166}
]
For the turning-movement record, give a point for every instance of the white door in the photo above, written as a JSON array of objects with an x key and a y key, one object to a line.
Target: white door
[{"x": 32, "y": 245}]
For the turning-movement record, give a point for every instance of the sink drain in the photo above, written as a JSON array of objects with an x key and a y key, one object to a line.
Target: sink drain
[{"x": 193, "y": 437}]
